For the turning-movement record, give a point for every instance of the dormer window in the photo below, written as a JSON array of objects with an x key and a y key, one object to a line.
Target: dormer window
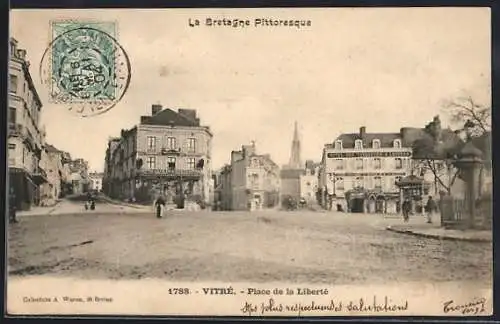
[
  {"x": 358, "y": 144},
  {"x": 338, "y": 145},
  {"x": 376, "y": 144},
  {"x": 397, "y": 143}
]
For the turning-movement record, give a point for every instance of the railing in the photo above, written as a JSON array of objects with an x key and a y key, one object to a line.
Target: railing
[{"x": 15, "y": 129}]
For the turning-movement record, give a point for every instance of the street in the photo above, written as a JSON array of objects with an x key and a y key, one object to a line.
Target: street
[{"x": 301, "y": 247}]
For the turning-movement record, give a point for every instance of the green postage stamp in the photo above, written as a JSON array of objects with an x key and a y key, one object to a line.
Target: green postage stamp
[{"x": 85, "y": 67}]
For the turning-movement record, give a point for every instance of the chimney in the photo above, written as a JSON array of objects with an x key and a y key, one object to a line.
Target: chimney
[
  {"x": 21, "y": 53},
  {"x": 188, "y": 113},
  {"x": 362, "y": 131},
  {"x": 156, "y": 108}
]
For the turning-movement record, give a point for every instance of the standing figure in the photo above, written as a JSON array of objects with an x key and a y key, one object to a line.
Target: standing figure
[
  {"x": 430, "y": 207},
  {"x": 12, "y": 206},
  {"x": 406, "y": 209},
  {"x": 159, "y": 204}
]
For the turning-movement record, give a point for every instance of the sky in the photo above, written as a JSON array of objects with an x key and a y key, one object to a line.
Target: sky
[{"x": 379, "y": 68}]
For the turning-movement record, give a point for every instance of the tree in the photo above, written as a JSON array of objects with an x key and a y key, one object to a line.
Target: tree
[
  {"x": 475, "y": 117},
  {"x": 435, "y": 152}
]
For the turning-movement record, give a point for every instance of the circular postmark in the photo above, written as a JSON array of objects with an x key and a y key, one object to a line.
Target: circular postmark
[{"x": 86, "y": 70}]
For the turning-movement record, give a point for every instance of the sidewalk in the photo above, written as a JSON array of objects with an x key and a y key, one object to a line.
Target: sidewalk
[
  {"x": 418, "y": 227},
  {"x": 124, "y": 203}
]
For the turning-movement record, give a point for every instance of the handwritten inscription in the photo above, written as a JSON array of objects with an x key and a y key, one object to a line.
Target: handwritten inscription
[
  {"x": 373, "y": 305},
  {"x": 475, "y": 307}
]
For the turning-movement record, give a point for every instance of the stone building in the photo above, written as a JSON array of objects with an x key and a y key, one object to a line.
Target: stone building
[
  {"x": 79, "y": 175},
  {"x": 359, "y": 171},
  {"x": 309, "y": 182},
  {"x": 223, "y": 188},
  {"x": 253, "y": 178},
  {"x": 95, "y": 181},
  {"x": 56, "y": 165},
  {"x": 168, "y": 152},
  {"x": 25, "y": 134}
]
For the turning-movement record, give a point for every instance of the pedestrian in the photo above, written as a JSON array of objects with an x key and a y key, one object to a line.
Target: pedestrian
[
  {"x": 430, "y": 207},
  {"x": 159, "y": 204},
  {"x": 406, "y": 210},
  {"x": 12, "y": 206}
]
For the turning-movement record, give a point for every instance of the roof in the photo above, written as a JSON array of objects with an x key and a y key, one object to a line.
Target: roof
[
  {"x": 386, "y": 139},
  {"x": 169, "y": 117},
  {"x": 52, "y": 149}
]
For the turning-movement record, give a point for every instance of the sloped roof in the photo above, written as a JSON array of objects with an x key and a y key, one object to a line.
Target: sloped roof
[
  {"x": 386, "y": 139},
  {"x": 169, "y": 117},
  {"x": 51, "y": 148}
]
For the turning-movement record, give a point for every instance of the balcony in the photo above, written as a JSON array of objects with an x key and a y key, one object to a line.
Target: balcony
[
  {"x": 39, "y": 176},
  {"x": 187, "y": 174},
  {"x": 15, "y": 130}
]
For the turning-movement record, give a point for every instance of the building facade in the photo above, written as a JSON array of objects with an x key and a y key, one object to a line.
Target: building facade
[
  {"x": 56, "y": 165},
  {"x": 79, "y": 175},
  {"x": 26, "y": 135},
  {"x": 95, "y": 181},
  {"x": 167, "y": 153},
  {"x": 223, "y": 189},
  {"x": 309, "y": 182},
  {"x": 255, "y": 181},
  {"x": 359, "y": 171}
]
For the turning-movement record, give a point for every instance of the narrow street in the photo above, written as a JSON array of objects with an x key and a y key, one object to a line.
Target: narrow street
[{"x": 301, "y": 247}]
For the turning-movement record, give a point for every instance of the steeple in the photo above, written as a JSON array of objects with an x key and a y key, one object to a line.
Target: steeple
[{"x": 295, "y": 162}]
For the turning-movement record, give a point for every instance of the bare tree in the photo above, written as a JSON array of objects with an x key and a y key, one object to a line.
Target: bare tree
[{"x": 465, "y": 111}]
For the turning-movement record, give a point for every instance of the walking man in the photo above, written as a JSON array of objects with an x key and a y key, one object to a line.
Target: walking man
[
  {"x": 406, "y": 210},
  {"x": 430, "y": 207},
  {"x": 159, "y": 204},
  {"x": 12, "y": 206}
]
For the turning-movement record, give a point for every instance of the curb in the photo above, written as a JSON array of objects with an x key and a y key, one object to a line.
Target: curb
[
  {"x": 438, "y": 237},
  {"x": 85, "y": 214}
]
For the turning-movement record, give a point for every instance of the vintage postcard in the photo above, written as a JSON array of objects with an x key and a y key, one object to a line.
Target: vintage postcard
[{"x": 250, "y": 162}]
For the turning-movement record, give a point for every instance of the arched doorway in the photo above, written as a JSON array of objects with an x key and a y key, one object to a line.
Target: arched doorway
[
  {"x": 371, "y": 204},
  {"x": 380, "y": 205}
]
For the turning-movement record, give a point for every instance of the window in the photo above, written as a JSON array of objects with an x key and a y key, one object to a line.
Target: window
[
  {"x": 254, "y": 181},
  {"x": 377, "y": 163},
  {"x": 339, "y": 164},
  {"x": 359, "y": 164},
  {"x": 398, "y": 178},
  {"x": 191, "y": 163},
  {"x": 358, "y": 144},
  {"x": 151, "y": 143},
  {"x": 24, "y": 154},
  {"x": 376, "y": 144},
  {"x": 13, "y": 83},
  {"x": 171, "y": 163},
  {"x": 358, "y": 182},
  {"x": 151, "y": 162},
  {"x": 12, "y": 115},
  {"x": 399, "y": 163},
  {"x": 378, "y": 183},
  {"x": 171, "y": 143},
  {"x": 339, "y": 183},
  {"x": 397, "y": 143},
  {"x": 191, "y": 145},
  {"x": 338, "y": 145}
]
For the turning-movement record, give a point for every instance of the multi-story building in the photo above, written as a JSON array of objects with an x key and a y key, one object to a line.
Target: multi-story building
[
  {"x": 168, "y": 152},
  {"x": 223, "y": 189},
  {"x": 359, "y": 171},
  {"x": 57, "y": 168},
  {"x": 79, "y": 176},
  {"x": 26, "y": 135},
  {"x": 255, "y": 180},
  {"x": 309, "y": 182},
  {"x": 95, "y": 180}
]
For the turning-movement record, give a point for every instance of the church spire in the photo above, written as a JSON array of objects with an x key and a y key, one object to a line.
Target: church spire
[{"x": 295, "y": 162}]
